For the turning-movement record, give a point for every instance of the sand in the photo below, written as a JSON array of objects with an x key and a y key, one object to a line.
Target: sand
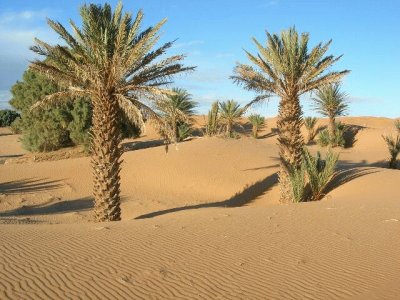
[{"x": 201, "y": 222}]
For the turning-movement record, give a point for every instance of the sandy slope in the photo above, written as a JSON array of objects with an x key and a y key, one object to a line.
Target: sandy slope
[{"x": 201, "y": 222}]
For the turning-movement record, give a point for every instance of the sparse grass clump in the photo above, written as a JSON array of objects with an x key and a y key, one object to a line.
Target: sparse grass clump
[
  {"x": 310, "y": 181},
  {"x": 309, "y": 123},
  {"x": 257, "y": 122}
]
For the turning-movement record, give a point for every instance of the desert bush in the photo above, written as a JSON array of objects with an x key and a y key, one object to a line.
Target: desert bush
[
  {"x": 337, "y": 140},
  {"x": 393, "y": 144},
  {"x": 309, "y": 123},
  {"x": 79, "y": 126},
  {"x": 212, "y": 122},
  {"x": 184, "y": 131},
  {"x": 310, "y": 181},
  {"x": 257, "y": 123},
  {"x": 45, "y": 130},
  {"x": 7, "y": 117}
]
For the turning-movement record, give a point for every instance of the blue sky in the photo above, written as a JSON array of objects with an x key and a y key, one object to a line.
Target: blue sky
[{"x": 213, "y": 34}]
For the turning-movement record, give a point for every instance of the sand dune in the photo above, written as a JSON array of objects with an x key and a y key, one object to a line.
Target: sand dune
[{"x": 201, "y": 222}]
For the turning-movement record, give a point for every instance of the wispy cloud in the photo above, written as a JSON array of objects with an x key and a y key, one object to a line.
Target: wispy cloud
[
  {"x": 22, "y": 16},
  {"x": 187, "y": 44}
]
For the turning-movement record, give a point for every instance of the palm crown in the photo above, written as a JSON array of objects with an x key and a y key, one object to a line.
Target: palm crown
[{"x": 330, "y": 101}]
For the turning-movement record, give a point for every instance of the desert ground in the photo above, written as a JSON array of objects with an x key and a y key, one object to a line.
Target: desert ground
[{"x": 202, "y": 221}]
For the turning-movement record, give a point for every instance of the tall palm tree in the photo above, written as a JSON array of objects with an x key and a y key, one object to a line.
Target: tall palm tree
[
  {"x": 330, "y": 102},
  {"x": 230, "y": 113},
  {"x": 109, "y": 60},
  {"x": 285, "y": 67},
  {"x": 177, "y": 109}
]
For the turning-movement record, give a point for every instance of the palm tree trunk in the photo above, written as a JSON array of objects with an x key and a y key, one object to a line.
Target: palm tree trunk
[
  {"x": 105, "y": 160},
  {"x": 332, "y": 127},
  {"x": 175, "y": 131},
  {"x": 229, "y": 129},
  {"x": 255, "y": 131},
  {"x": 291, "y": 143}
]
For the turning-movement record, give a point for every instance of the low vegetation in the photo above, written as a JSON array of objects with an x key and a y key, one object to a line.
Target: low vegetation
[
  {"x": 311, "y": 180},
  {"x": 393, "y": 144},
  {"x": 7, "y": 117},
  {"x": 309, "y": 123},
  {"x": 335, "y": 139}
]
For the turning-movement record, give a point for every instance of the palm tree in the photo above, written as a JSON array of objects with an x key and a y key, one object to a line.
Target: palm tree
[
  {"x": 393, "y": 144},
  {"x": 230, "y": 113},
  {"x": 257, "y": 122},
  {"x": 109, "y": 60},
  {"x": 286, "y": 68},
  {"x": 177, "y": 110},
  {"x": 309, "y": 123},
  {"x": 330, "y": 102}
]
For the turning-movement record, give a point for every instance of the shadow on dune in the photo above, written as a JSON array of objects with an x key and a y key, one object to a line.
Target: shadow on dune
[
  {"x": 29, "y": 186},
  {"x": 53, "y": 208},
  {"x": 138, "y": 145},
  {"x": 249, "y": 194},
  {"x": 346, "y": 175}
]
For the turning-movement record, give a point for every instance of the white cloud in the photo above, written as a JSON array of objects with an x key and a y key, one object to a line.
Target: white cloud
[
  {"x": 187, "y": 44},
  {"x": 23, "y": 16}
]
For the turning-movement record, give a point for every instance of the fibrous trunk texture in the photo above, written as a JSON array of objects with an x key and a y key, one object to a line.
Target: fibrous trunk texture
[
  {"x": 105, "y": 160},
  {"x": 290, "y": 143},
  {"x": 255, "y": 131},
  {"x": 175, "y": 131},
  {"x": 332, "y": 127}
]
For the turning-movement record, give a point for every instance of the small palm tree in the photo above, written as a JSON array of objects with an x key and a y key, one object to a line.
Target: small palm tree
[
  {"x": 110, "y": 61},
  {"x": 177, "y": 109},
  {"x": 309, "y": 123},
  {"x": 393, "y": 145},
  {"x": 287, "y": 68},
  {"x": 230, "y": 114},
  {"x": 257, "y": 122},
  {"x": 330, "y": 102},
  {"x": 212, "y": 122}
]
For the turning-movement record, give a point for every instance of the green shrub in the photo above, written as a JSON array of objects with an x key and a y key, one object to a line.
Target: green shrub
[
  {"x": 393, "y": 145},
  {"x": 79, "y": 126},
  {"x": 184, "y": 131},
  {"x": 337, "y": 140},
  {"x": 309, "y": 123},
  {"x": 45, "y": 130},
  {"x": 7, "y": 117},
  {"x": 310, "y": 181}
]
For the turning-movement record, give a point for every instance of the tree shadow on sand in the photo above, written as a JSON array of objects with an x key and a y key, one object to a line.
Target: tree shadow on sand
[
  {"x": 29, "y": 186},
  {"x": 53, "y": 208},
  {"x": 248, "y": 195}
]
